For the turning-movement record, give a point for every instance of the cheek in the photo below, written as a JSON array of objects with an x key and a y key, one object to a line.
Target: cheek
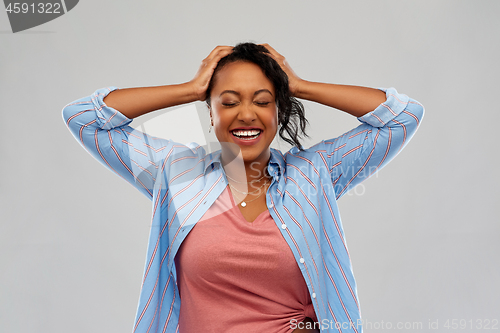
[
  {"x": 221, "y": 124},
  {"x": 217, "y": 117},
  {"x": 273, "y": 119}
]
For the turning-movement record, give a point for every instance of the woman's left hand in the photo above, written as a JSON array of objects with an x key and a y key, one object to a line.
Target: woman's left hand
[{"x": 294, "y": 82}]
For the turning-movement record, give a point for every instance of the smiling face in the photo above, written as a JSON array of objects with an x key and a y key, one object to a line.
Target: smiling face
[{"x": 244, "y": 113}]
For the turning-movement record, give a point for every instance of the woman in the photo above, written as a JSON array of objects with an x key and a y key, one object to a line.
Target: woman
[{"x": 246, "y": 239}]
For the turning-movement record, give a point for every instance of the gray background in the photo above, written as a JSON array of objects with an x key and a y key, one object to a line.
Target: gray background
[{"x": 423, "y": 234}]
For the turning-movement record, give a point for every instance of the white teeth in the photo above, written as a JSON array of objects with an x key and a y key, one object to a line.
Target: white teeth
[{"x": 244, "y": 133}]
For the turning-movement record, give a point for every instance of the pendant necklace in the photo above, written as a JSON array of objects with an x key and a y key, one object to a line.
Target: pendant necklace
[{"x": 244, "y": 203}]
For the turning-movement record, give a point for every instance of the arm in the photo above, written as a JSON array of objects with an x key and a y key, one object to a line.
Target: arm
[
  {"x": 354, "y": 100},
  {"x": 384, "y": 132},
  {"x": 135, "y": 102},
  {"x": 100, "y": 121},
  {"x": 389, "y": 121},
  {"x": 104, "y": 133}
]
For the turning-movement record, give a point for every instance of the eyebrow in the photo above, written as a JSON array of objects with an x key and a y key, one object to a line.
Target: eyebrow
[{"x": 238, "y": 94}]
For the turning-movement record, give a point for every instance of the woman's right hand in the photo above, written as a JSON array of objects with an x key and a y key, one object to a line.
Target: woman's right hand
[
  {"x": 202, "y": 78},
  {"x": 134, "y": 102}
]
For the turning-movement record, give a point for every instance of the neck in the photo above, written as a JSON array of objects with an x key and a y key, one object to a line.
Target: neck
[{"x": 244, "y": 171}]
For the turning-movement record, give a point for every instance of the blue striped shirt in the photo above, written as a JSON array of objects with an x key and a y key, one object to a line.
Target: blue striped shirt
[{"x": 183, "y": 181}]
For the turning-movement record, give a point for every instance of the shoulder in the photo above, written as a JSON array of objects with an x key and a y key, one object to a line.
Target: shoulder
[
  {"x": 310, "y": 160},
  {"x": 188, "y": 157}
]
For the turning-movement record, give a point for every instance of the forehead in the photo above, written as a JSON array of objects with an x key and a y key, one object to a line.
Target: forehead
[{"x": 242, "y": 76}]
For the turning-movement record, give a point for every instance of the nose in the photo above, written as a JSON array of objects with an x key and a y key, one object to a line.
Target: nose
[{"x": 247, "y": 113}]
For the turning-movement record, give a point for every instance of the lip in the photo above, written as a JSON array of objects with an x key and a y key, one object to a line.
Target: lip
[
  {"x": 246, "y": 128},
  {"x": 244, "y": 142}
]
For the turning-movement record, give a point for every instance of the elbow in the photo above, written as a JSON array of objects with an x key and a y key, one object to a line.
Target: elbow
[
  {"x": 67, "y": 114},
  {"x": 417, "y": 110},
  {"x": 73, "y": 110}
]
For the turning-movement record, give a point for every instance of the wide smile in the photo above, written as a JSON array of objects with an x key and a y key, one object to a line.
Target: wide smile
[{"x": 246, "y": 136}]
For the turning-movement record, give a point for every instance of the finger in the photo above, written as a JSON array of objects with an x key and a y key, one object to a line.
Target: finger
[
  {"x": 271, "y": 50},
  {"x": 221, "y": 48},
  {"x": 222, "y": 53},
  {"x": 212, "y": 62},
  {"x": 216, "y": 49}
]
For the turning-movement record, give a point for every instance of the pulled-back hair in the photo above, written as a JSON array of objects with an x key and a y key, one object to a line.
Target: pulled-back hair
[{"x": 291, "y": 114}]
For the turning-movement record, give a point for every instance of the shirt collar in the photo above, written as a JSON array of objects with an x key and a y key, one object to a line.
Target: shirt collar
[
  {"x": 212, "y": 160},
  {"x": 276, "y": 163}
]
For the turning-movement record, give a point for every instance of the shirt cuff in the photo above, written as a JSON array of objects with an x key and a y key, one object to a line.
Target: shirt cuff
[
  {"x": 395, "y": 103},
  {"x": 107, "y": 117}
]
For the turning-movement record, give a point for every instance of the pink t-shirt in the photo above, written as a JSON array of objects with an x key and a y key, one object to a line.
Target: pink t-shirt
[{"x": 239, "y": 276}]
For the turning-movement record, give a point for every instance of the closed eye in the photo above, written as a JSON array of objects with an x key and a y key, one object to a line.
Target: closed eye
[
  {"x": 262, "y": 103},
  {"x": 229, "y": 104}
]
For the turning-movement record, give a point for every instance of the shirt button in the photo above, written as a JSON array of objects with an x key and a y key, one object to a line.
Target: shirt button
[
  {"x": 283, "y": 226},
  {"x": 271, "y": 205},
  {"x": 313, "y": 295},
  {"x": 302, "y": 260}
]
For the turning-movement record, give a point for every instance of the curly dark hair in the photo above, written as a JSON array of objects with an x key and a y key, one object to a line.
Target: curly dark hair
[{"x": 291, "y": 114}]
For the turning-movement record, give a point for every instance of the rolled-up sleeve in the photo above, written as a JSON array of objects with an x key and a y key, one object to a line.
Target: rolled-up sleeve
[
  {"x": 359, "y": 153},
  {"x": 395, "y": 104},
  {"x": 105, "y": 134}
]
